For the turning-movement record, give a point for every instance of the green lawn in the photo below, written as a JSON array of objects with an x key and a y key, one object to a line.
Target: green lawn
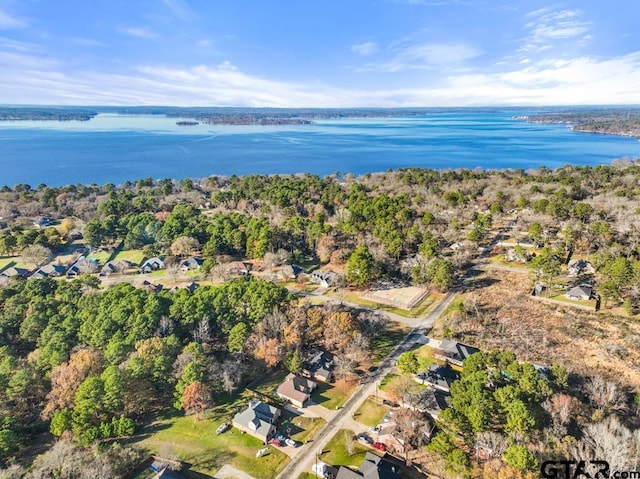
[
  {"x": 101, "y": 256},
  {"x": 564, "y": 299},
  {"x": 387, "y": 380},
  {"x": 302, "y": 428},
  {"x": 500, "y": 261},
  {"x": 307, "y": 475},
  {"x": 370, "y": 413},
  {"x": 425, "y": 356},
  {"x": 270, "y": 383},
  {"x": 333, "y": 396},
  {"x": 384, "y": 343},
  {"x": 336, "y": 452},
  {"x": 8, "y": 262},
  {"x": 135, "y": 256},
  {"x": 201, "y": 450},
  {"x": 160, "y": 273}
]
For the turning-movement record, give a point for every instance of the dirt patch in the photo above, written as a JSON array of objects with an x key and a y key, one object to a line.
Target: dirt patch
[
  {"x": 501, "y": 314},
  {"x": 404, "y": 298}
]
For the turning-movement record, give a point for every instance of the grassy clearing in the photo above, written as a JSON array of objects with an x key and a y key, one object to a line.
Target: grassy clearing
[
  {"x": 384, "y": 384},
  {"x": 307, "y": 475},
  {"x": 8, "y": 262},
  {"x": 301, "y": 428},
  {"x": 337, "y": 451},
  {"x": 135, "y": 256},
  {"x": 383, "y": 344},
  {"x": 561, "y": 297},
  {"x": 370, "y": 413},
  {"x": 500, "y": 261},
  {"x": 270, "y": 383},
  {"x": 197, "y": 445},
  {"x": 101, "y": 256},
  {"x": 333, "y": 396}
]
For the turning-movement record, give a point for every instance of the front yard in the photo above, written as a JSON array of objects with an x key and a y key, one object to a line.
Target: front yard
[
  {"x": 343, "y": 450},
  {"x": 371, "y": 413},
  {"x": 196, "y": 444},
  {"x": 333, "y": 396}
]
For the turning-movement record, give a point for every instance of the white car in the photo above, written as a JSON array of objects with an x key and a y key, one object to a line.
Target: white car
[{"x": 290, "y": 442}]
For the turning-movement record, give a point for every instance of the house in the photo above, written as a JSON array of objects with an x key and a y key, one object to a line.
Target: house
[
  {"x": 48, "y": 271},
  {"x": 80, "y": 267},
  {"x": 42, "y": 222},
  {"x": 582, "y": 292},
  {"x": 434, "y": 401},
  {"x": 152, "y": 264},
  {"x": 319, "y": 366},
  {"x": 190, "y": 264},
  {"x": 163, "y": 471},
  {"x": 14, "y": 272},
  {"x": 324, "y": 278},
  {"x": 111, "y": 267},
  {"x": 239, "y": 268},
  {"x": 440, "y": 377},
  {"x": 258, "y": 420},
  {"x": 454, "y": 352},
  {"x": 151, "y": 288},
  {"x": 579, "y": 267},
  {"x": 373, "y": 467},
  {"x": 296, "y": 389}
]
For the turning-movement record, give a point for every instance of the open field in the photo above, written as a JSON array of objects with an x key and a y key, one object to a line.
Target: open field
[
  {"x": 301, "y": 428},
  {"x": 197, "y": 445},
  {"x": 502, "y": 315},
  {"x": 135, "y": 256}
]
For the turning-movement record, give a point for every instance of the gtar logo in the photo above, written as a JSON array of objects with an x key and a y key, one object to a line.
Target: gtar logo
[{"x": 575, "y": 469}]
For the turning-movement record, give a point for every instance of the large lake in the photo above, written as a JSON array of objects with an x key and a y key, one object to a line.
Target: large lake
[{"x": 116, "y": 148}]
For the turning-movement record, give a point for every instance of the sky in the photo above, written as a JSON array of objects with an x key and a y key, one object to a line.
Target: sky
[{"x": 319, "y": 53}]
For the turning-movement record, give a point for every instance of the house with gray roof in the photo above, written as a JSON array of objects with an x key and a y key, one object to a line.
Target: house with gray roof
[
  {"x": 152, "y": 264},
  {"x": 582, "y": 292},
  {"x": 454, "y": 352},
  {"x": 14, "y": 272},
  {"x": 48, "y": 271},
  {"x": 191, "y": 264},
  {"x": 440, "y": 377},
  {"x": 258, "y": 419},
  {"x": 319, "y": 366},
  {"x": 373, "y": 467}
]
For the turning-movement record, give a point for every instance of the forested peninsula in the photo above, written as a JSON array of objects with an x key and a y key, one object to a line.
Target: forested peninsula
[{"x": 621, "y": 121}]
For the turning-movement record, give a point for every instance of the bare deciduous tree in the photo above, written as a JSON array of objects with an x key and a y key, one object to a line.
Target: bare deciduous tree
[{"x": 36, "y": 255}]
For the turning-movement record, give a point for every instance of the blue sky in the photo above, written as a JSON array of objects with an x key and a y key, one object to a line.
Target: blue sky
[{"x": 323, "y": 53}]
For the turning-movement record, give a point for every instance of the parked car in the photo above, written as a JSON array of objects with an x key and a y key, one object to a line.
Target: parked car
[
  {"x": 364, "y": 438},
  {"x": 275, "y": 442},
  {"x": 224, "y": 427},
  {"x": 379, "y": 446},
  {"x": 389, "y": 403},
  {"x": 374, "y": 430},
  {"x": 290, "y": 442}
]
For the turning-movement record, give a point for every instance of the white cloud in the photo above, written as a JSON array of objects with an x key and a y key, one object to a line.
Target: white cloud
[
  {"x": 423, "y": 56},
  {"x": 364, "y": 49},
  {"x": 181, "y": 9},
  {"x": 32, "y": 78},
  {"x": 139, "y": 32},
  {"x": 8, "y": 21},
  {"x": 546, "y": 27}
]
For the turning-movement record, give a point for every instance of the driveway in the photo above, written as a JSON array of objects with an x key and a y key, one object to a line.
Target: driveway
[{"x": 230, "y": 472}]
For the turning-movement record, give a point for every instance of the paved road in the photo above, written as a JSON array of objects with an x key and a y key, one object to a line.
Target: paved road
[{"x": 307, "y": 453}]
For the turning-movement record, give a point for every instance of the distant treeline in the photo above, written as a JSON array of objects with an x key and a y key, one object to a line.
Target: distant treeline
[
  {"x": 45, "y": 113},
  {"x": 613, "y": 121}
]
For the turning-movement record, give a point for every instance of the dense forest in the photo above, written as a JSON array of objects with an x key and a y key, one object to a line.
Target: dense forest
[{"x": 88, "y": 362}]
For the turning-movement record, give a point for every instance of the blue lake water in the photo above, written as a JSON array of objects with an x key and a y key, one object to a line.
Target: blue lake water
[{"x": 116, "y": 148}]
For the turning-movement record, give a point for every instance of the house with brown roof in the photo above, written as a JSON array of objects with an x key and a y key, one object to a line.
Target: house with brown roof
[{"x": 296, "y": 389}]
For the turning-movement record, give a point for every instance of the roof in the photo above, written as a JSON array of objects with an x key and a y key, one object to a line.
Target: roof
[
  {"x": 13, "y": 271},
  {"x": 456, "y": 350},
  {"x": 296, "y": 388},
  {"x": 580, "y": 291},
  {"x": 440, "y": 376},
  {"x": 192, "y": 263},
  {"x": 320, "y": 365},
  {"x": 153, "y": 262},
  {"x": 258, "y": 417},
  {"x": 373, "y": 467}
]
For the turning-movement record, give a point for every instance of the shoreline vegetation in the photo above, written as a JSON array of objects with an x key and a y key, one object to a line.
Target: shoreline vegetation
[{"x": 609, "y": 121}]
